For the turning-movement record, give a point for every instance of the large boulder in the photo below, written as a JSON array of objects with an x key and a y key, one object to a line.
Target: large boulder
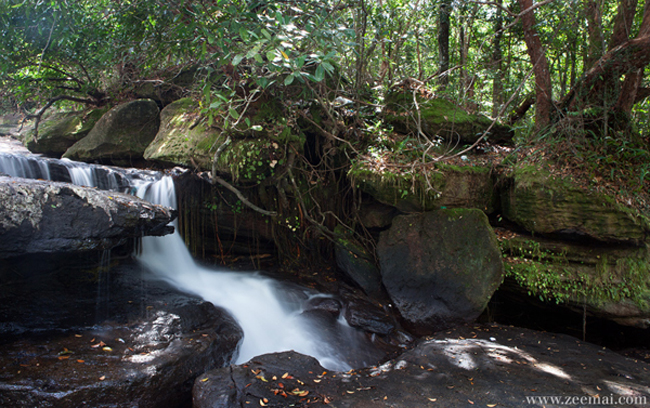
[
  {"x": 476, "y": 366},
  {"x": 58, "y": 132},
  {"x": 184, "y": 137},
  {"x": 440, "y": 118},
  {"x": 120, "y": 136},
  {"x": 543, "y": 203},
  {"x": 74, "y": 337},
  {"x": 250, "y": 152},
  {"x": 440, "y": 268},
  {"x": 39, "y": 216}
]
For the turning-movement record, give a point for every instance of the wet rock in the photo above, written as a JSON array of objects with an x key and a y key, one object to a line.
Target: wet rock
[
  {"x": 365, "y": 315},
  {"x": 38, "y": 216},
  {"x": 120, "y": 136},
  {"x": 484, "y": 365},
  {"x": 440, "y": 268},
  {"x": 326, "y": 304},
  {"x": 140, "y": 344},
  {"x": 359, "y": 265}
]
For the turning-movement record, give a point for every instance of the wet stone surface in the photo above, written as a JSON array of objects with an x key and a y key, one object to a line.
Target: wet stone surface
[
  {"x": 147, "y": 344},
  {"x": 473, "y": 365}
]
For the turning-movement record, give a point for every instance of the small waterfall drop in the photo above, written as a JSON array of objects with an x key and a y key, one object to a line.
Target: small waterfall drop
[
  {"x": 270, "y": 314},
  {"x": 270, "y": 317}
]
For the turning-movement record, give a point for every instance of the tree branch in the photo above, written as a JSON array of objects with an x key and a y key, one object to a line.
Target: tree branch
[
  {"x": 241, "y": 196},
  {"x": 51, "y": 102}
]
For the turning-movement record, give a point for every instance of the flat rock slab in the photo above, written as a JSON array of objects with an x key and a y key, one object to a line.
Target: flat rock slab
[
  {"x": 40, "y": 216},
  {"x": 146, "y": 350},
  {"x": 473, "y": 365}
]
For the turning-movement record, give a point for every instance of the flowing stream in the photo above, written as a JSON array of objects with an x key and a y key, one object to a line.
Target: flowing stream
[{"x": 272, "y": 315}]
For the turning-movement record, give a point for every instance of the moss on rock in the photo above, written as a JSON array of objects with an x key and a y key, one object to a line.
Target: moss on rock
[
  {"x": 120, "y": 136},
  {"x": 547, "y": 204},
  {"x": 613, "y": 282},
  {"x": 61, "y": 130},
  {"x": 446, "y": 186},
  {"x": 439, "y": 117}
]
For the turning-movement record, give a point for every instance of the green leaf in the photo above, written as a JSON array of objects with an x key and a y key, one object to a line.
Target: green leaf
[
  {"x": 257, "y": 128},
  {"x": 319, "y": 75},
  {"x": 289, "y": 79},
  {"x": 237, "y": 59},
  {"x": 233, "y": 113},
  {"x": 248, "y": 122}
]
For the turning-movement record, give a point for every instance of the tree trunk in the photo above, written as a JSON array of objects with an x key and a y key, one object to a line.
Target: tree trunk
[
  {"x": 596, "y": 42},
  {"x": 622, "y": 23},
  {"x": 443, "y": 41},
  {"x": 625, "y": 59},
  {"x": 497, "y": 62},
  {"x": 543, "y": 88}
]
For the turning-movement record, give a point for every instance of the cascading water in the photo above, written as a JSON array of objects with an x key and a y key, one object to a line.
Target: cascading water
[{"x": 271, "y": 315}]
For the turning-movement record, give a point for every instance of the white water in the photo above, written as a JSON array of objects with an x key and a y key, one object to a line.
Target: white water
[{"x": 269, "y": 314}]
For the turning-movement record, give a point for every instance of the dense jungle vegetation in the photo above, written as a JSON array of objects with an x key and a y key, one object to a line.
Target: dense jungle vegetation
[{"x": 570, "y": 76}]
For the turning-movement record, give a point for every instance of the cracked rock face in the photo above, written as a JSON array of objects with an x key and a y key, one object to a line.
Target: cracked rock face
[{"x": 38, "y": 216}]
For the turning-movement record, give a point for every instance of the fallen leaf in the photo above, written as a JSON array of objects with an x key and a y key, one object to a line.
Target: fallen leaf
[
  {"x": 107, "y": 348},
  {"x": 204, "y": 379},
  {"x": 102, "y": 378},
  {"x": 471, "y": 402},
  {"x": 491, "y": 405},
  {"x": 63, "y": 357},
  {"x": 100, "y": 344},
  {"x": 433, "y": 399},
  {"x": 80, "y": 361},
  {"x": 78, "y": 335}
]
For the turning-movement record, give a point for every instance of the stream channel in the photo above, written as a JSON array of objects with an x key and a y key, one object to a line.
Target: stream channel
[{"x": 269, "y": 312}]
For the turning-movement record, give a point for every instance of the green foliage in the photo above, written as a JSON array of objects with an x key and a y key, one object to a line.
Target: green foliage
[{"x": 551, "y": 276}]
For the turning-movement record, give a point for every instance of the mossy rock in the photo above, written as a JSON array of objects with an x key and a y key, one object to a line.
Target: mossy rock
[
  {"x": 546, "y": 204},
  {"x": 445, "y": 187},
  {"x": 59, "y": 131},
  {"x": 613, "y": 281},
  {"x": 440, "y": 268},
  {"x": 439, "y": 117},
  {"x": 184, "y": 138},
  {"x": 120, "y": 136}
]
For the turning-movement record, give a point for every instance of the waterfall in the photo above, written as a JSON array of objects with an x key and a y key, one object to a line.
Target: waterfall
[{"x": 271, "y": 315}]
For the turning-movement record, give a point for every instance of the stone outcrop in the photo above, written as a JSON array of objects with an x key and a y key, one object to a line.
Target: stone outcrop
[
  {"x": 546, "y": 204},
  {"x": 440, "y": 268},
  {"x": 121, "y": 340},
  {"x": 38, "y": 216},
  {"x": 440, "y": 118},
  {"x": 469, "y": 366},
  {"x": 446, "y": 186},
  {"x": 120, "y": 136},
  {"x": 611, "y": 281},
  {"x": 58, "y": 132}
]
